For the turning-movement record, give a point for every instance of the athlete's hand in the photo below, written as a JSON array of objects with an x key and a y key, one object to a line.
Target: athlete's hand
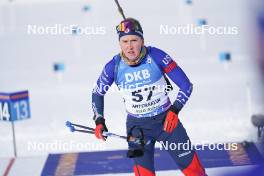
[
  {"x": 171, "y": 121},
  {"x": 100, "y": 128}
]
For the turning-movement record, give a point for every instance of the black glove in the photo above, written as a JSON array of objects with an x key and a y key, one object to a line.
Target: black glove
[
  {"x": 100, "y": 128},
  {"x": 176, "y": 107}
]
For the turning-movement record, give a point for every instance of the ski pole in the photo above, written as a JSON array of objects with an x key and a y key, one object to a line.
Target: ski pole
[
  {"x": 89, "y": 130},
  {"x": 120, "y": 9}
]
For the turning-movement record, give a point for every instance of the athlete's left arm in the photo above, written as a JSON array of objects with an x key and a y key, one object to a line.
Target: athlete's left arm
[{"x": 177, "y": 75}]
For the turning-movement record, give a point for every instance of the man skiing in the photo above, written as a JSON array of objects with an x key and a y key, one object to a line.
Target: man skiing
[{"x": 140, "y": 74}]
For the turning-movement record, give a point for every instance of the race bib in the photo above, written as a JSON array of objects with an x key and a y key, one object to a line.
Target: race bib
[{"x": 147, "y": 100}]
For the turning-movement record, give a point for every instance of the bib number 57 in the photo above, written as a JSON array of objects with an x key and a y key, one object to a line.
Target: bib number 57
[{"x": 138, "y": 97}]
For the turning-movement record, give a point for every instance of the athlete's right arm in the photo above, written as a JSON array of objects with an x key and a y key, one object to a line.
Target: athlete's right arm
[{"x": 103, "y": 83}]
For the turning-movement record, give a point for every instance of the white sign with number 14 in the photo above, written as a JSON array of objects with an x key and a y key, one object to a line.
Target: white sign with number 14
[{"x": 4, "y": 112}]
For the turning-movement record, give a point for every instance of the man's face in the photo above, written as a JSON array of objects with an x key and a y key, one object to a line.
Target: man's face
[{"x": 131, "y": 46}]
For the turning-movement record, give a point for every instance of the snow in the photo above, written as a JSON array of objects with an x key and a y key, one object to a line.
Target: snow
[{"x": 219, "y": 110}]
